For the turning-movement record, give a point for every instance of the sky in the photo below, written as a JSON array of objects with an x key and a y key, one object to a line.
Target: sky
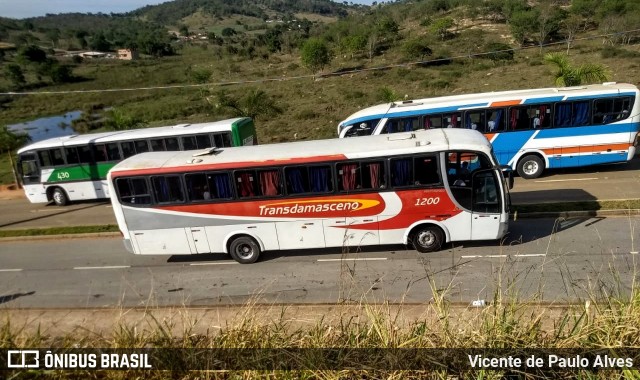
[{"x": 33, "y": 8}]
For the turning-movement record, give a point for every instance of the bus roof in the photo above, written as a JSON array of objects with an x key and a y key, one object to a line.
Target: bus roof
[
  {"x": 487, "y": 99},
  {"x": 142, "y": 133},
  {"x": 310, "y": 151}
]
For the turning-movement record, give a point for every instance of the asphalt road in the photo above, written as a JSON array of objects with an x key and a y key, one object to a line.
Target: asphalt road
[
  {"x": 619, "y": 181},
  {"x": 542, "y": 259}
]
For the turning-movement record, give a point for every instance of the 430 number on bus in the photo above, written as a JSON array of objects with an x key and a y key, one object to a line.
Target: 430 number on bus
[
  {"x": 427, "y": 201},
  {"x": 63, "y": 175}
]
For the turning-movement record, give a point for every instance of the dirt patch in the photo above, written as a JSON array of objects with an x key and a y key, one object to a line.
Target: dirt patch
[{"x": 11, "y": 192}]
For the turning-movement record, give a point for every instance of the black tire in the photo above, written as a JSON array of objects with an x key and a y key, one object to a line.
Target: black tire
[
  {"x": 59, "y": 197},
  {"x": 244, "y": 250},
  {"x": 427, "y": 239},
  {"x": 530, "y": 167}
]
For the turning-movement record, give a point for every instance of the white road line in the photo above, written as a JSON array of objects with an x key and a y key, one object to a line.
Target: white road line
[
  {"x": 502, "y": 256},
  {"x": 10, "y": 270},
  {"x": 220, "y": 263},
  {"x": 359, "y": 259},
  {"x": 567, "y": 180},
  {"x": 107, "y": 267}
]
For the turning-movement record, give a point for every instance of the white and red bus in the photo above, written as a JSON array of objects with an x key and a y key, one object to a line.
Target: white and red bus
[{"x": 422, "y": 188}]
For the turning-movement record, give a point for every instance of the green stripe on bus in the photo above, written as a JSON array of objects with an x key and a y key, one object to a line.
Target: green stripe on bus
[{"x": 84, "y": 172}]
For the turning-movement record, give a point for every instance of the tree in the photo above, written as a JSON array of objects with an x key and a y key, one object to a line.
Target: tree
[
  {"x": 568, "y": 75},
  {"x": 14, "y": 73},
  {"x": 549, "y": 18},
  {"x": 522, "y": 23},
  {"x": 31, "y": 54},
  {"x": 440, "y": 27},
  {"x": 54, "y": 36},
  {"x": 315, "y": 54},
  {"x": 119, "y": 120},
  {"x": 417, "y": 48},
  {"x": 255, "y": 104},
  {"x": 10, "y": 141},
  {"x": 570, "y": 27}
]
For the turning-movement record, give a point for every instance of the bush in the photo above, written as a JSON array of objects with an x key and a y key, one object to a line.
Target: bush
[{"x": 499, "y": 52}]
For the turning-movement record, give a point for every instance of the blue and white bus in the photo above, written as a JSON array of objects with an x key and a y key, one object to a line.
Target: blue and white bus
[{"x": 530, "y": 130}]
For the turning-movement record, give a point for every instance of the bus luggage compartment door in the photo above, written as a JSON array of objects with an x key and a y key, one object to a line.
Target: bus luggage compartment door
[
  {"x": 300, "y": 234},
  {"x": 198, "y": 241},
  {"x": 171, "y": 241}
]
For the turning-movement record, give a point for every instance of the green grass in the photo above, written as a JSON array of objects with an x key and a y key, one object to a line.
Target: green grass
[
  {"x": 630, "y": 204},
  {"x": 59, "y": 230}
]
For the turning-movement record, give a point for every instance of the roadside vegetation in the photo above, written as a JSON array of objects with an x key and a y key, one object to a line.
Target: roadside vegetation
[{"x": 607, "y": 315}]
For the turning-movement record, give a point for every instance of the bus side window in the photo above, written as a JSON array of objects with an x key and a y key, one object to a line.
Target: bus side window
[
  {"x": 432, "y": 121},
  {"x": 474, "y": 120},
  {"x": 220, "y": 185},
  {"x": 128, "y": 149},
  {"x": 495, "y": 120},
  {"x": 426, "y": 170},
  {"x": 71, "y": 155},
  {"x": 570, "y": 114},
  {"x": 45, "y": 158},
  {"x": 246, "y": 183},
  {"x": 373, "y": 175},
  {"x": 196, "y": 142},
  {"x": 222, "y": 140},
  {"x": 348, "y": 176},
  {"x": 57, "y": 158},
  {"x": 171, "y": 143},
  {"x": 100, "y": 153},
  {"x": 168, "y": 189},
  {"x": 270, "y": 182},
  {"x": 197, "y": 187},
  {"x": 297, "y": 180},
  {"x": 610, "y": 110},
  {"x": 141, "y": 146},
  {"x": 157, "y": 145},
  {"x": 113, "y": 152},
  {"x": 84, "y": 154},
  {"x": 133, "y": 191},
  {"x": 401, "y": 172}
]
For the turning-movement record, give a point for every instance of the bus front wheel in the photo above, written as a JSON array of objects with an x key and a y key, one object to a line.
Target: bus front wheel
[
  {"x": 427, "y": 239},
  {"x": 244, "y": 250},
  {"x": 530, "y": 167},
  {"x": 59, "y": 197}
]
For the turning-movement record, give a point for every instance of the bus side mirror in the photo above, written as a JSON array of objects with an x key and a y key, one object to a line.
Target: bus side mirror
[{"x": 507, "y": 172}]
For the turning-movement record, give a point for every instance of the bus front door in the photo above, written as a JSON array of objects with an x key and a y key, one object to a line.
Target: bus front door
[
  {"x": 28, "y": 169},
  {"x": 486, "y": 205}
]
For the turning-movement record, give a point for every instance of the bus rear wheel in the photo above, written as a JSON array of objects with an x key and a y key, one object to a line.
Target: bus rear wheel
[
  {"x": 530, "y": 167},
  {"x": 59, "y": 197},
  {"x": 244, "y": 250},
  {"x": 427, "y": 239}
]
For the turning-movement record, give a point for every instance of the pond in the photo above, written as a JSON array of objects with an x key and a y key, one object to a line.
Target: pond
[{"x": 47, "y": 127}]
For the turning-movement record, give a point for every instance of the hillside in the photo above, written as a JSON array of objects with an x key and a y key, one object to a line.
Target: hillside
[{"x": 390, "y": 51}]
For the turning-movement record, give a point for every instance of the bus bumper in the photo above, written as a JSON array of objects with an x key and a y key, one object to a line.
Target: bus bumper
[{"x": 127, "y": 245}]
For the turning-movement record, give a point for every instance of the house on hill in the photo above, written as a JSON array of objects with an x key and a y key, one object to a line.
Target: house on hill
[{"x": 127, "y": 54}]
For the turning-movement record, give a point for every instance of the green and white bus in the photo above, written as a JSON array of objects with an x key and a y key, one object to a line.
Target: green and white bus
[{"x": 75, "y": 167}]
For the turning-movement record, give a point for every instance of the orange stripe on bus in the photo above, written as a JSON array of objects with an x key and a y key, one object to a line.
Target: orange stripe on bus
[
  {"x": 489, "y": 136},
  {"x": 506, "y": 103},
  {"x": 586, "y": 149}
]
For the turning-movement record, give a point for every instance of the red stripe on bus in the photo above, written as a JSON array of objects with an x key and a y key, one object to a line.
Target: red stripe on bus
[{"x": 227, "y": 165}]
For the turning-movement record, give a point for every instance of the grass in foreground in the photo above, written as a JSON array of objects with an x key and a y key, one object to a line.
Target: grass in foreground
[
  {"x": 603, "y": 319},
  {"x": 59, "y": 230}
]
